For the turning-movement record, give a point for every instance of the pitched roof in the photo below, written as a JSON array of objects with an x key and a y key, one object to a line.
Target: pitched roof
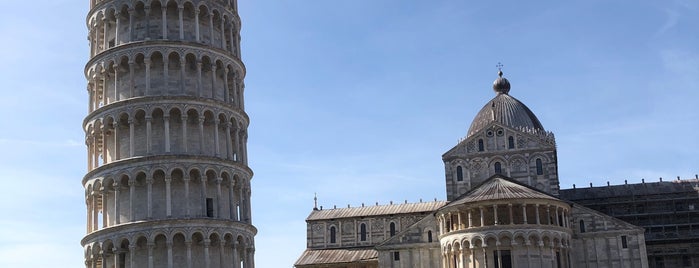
[
  {"x": 375, "y": 210},
  {"x": 499, "y": 187},
  {"x": 330, "y": 256}
]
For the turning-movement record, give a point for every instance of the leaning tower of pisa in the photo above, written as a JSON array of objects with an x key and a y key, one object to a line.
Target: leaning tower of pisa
[{"x": 167, "y": 181}]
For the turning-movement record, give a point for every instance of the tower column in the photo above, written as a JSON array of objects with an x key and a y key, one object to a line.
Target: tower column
[
  {"x": 131, "y": 137},
  {"x": 166, "y": 121},
  {"x": 168, "y": 195},
  {"x": 184, "y": 131},
  {"x": 216, "y": 141},
  {"x": 186, "y": 195},
  {"x": 231, "y": 200},
  {"x": 218, "y": 197},
  {"x": 117, "y": 214},
  {"x": 132, "y": 197},
  {"x": 149, "y": 203},
  {"x": 164, "y": 20},
  {"x": 148, "y": 133},
  {"x": 196, "y": 25},
  {"x": 147, "y": 63},
  {"x": 181, "y": 21}
]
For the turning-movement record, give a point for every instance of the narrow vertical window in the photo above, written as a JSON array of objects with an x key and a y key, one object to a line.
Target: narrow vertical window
[
  {"x": 624, "y": 242},
  {"x": 498, "y": 168},
  {"x": 209, "y": 207},
  {"x": 510, "y": 142},
  {"x": 396, "y": 256},
  {"x": 429, "y": 236},
  {"x": 480, "y": 145},
  {"x": 459, "y": 173},
  {"x": 539, "y": 167},
  {"x": 332, "y": 235},
  {"x": 392, "y": 228},
  {"x": 362, "y": 232},
  {"x": 582, "y": 226}
]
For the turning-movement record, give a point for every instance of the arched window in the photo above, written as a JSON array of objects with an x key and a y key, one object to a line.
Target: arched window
[
  {"x": 539, "y": 167},
  {"x": 332, "y": 235},
  {"x": 481, "y": 147},
  {"x": 459, "y": 173},
  {"x": 429, "y": 236},
  {"x": 392, "y": 229},
  {"x": 511, "y": 142},
  {"x": 498, "y": 168},
  {"x": 362, "y": 232},
  {"x": 582, "y": 226}
]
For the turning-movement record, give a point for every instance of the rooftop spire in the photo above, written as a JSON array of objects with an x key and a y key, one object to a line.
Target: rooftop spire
[
  {"x": 315, "y": 201},
  {"x": 501, "y": 85}
]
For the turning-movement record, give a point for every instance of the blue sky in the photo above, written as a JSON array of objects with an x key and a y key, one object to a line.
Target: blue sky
[{"x": 357, "y": 100}]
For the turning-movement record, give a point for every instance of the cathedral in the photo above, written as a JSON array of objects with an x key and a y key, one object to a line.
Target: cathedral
[{"x": 504, "y": 208}]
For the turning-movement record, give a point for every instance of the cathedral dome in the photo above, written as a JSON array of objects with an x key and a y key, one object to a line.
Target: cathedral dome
[{"x": 505, "y": 110}]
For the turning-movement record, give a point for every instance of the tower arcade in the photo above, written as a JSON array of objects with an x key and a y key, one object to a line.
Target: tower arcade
[{"x": 168, "y": 182}]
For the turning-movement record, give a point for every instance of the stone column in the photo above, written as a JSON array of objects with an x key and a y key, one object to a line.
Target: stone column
[
  {"x": 196, "y": 24},
  {"x": 150, "y": 246},
  {"x": 236, "y": 135},
  {"x": 115, "y": 66},
  {"x": 147, "y": 63},
  {"x": 186, "y": 195},
  {"x": 132, "y": 256},
  {"x": 222, "y": 253},
  {"x": 548, "y": 214},
  {"x": 182, "y": 75},
  {"x": 149, "y": 120},
  {"x": 149, "y": 203},
  {"x": 164, "y": 20},
  {"x": 131, "y": 137},
  {"x": 117, "y": 150},
  {"x": 105, "y": 195},
  {"x": 105, "y": 42},
  {"x": 131, "y": 15},
  {"x": 117, "y": 19},
  {"x": 223, "y": 34},
  {"x": 117, "y": 206},
  {"x": 538, "y": 220},
  {"x": 169, "y": 255},
  {"x": 236, "y": 255},
  {"x": 216, "y": 140},
  {"x": 524, "y": 213},
  {"x": 168, "y": 196},
  {"x": 184, "y": 131},
  {"x": 213, "y": 79},
  {"x": 226, "y": 93},
  {"x": 181, "y": 21},
  {"x": 231, "y": 200},
  {"x": 211, "y": 24},
  {"x": 147, "y": 9},
  {"x": 558, "y": 223},
  {"x": 116, "y": 254},
  {"x": 200, "y": 92},
  {"x": 482, "y": 217},
  {"x": 207, "y": 259},
  {"x": 201, "y": 133},
  {"x": 470, "y": 218},
  {"x": 512, "y": 221},
  {"x": 166, "y": 121},
  {"x": 188, "y": 244},
  {"x": 495, "y": 214},
  {"x": 132, "y": 198},
  {"x": 229, "y": 149},
  {"x": 218, "y": 197},
  {"x": 132, "y": 81}
]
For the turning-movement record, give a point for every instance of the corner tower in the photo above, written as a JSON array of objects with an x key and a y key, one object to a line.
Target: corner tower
[
  {"x": 167, "y": 183},
  {"x": 505, "y": 138}
]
